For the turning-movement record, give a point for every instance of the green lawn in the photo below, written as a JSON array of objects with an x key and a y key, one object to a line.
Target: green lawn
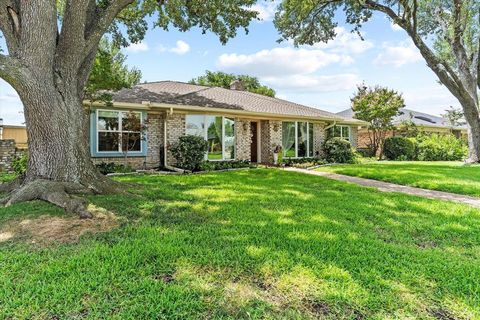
[
  {"x": 257, "y": 244},
  {"x": 453, "y": 177}
]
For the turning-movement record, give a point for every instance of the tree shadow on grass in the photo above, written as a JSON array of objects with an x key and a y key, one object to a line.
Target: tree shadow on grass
[{"x": 267, "y": 243}]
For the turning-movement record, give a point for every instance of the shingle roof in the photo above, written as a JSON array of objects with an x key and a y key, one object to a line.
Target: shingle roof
[
  {"x": 185, "y": 94},
  {"x": 418, "y": 118}
]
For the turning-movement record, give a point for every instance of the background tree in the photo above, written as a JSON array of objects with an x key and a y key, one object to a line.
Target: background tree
[
  {"x": 446, "y": 32},
  {"x": 454, "y": 116},
  {"x": 52, "y": 45},
  {"x": 109, "y": 73},
  {"x": 224, "y": 80},
  {"x": 377, "y": 106}
]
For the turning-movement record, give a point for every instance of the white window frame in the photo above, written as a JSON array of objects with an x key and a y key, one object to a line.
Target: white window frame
[
  {"x": 205, "y": 135},
  {"x": 341, "y": 132},
  {"x": 296, "y": 140},
  {"x": 120, "y": 131}
]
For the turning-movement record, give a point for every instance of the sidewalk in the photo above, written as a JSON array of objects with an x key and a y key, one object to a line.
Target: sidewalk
[{"x": 391, "y": 187}]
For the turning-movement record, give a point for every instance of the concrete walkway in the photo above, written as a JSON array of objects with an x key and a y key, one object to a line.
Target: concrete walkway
[{"x": 391, "y": 187}]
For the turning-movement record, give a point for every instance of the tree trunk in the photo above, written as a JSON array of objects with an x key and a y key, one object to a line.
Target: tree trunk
[{"x": 471, "y": 111}]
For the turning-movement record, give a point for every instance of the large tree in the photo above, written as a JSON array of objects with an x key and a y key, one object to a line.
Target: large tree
[
  {"x": 377, "y": 106},
  {"x": 51, "y": 46},
  {"x": 224, "y": 80},
  {"x": 446, "y": 32}
]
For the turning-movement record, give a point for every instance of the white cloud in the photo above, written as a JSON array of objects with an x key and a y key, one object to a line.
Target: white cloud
[
  {"x": 137, "y": 47},
  {"x": 433, "y": 100},
  {"x": 181, "y": 48},
  {"x": 346, "y": 42},
  {"x": 398, "y": 54},
  {"x": 280, "y": 61},
  {"x": 266, "y": 10},
  {"x": 314, "y": 83}
]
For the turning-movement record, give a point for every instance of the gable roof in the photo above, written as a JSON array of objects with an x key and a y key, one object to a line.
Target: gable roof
[
  {"x": 418, "y": 118},
  {"x": 186, "y": 94}
]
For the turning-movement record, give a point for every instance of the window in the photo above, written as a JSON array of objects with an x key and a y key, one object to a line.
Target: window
[
  {"x": 116, "y": 131},
  {"x": 339, "y": 132},
  {"x": 219, "y": 132},
  {"x": 297, "y": 139}
]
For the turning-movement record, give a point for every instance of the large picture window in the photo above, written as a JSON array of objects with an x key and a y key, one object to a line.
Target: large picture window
[
  {"x": 297, "y": 139},
  {"x": 219, "y": 132},
  {"x": 339, "y": 132},
  {"x": 113, "y": 132}
]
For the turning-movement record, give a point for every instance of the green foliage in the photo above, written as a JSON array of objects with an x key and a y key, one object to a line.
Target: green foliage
[
  {"x": 399, "y": 148},
  {"x": 454, "y": 116},
  {"x": 19, "y": 164},
  {"x": 338, "y": 150},
  {"x": 252, "y": 244},
  {"x": 303, "y": 162},
  {"x": 111, "y": 167},
  {"x": 438, "y": 147},
  {"x": 377, "y": 106},
  {"x": 224, "y": 165},
  {"x": 189, "y": 152},
  {"x": 109, "y": 73},
  {"x": 224, "y": 80}
]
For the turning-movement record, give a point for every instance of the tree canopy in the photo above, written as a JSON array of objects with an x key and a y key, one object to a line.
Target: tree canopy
[
  {"x": 224, "y": 80},
  {"x": 377, "y": 106},
  {"x": 446, "y": 32}
]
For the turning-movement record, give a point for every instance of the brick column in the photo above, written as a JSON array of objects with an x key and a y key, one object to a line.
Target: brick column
[
  {"x": 175, "y": 130},
  {"x": 354, "y": 136},
  {"x": 243, "y": 139},
  {"x": 7, "y": 154},
  {"x": 155, "y": 139},
  {"x": 271, "y": 136},
  {"x": 318, "y": 138}
]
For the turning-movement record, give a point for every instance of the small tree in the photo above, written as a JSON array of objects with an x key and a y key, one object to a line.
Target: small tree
[
  {"x": 454, "y": 116},
  {"x": 133, "y": 132},
  {"x": 224, "y": 80},
  {"x": 377, "y": 106}
]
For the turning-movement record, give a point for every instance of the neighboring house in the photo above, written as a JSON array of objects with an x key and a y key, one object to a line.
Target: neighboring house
[
  {"x": 423, "y": 121},
  {"x": 16, "y": 133},
  {"x": 237, "y": 124}
]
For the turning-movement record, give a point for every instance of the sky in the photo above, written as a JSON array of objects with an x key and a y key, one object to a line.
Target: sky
[{"x": 323, "y": 76}]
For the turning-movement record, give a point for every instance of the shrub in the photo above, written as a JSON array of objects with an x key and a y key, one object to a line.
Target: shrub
[
  {"x": 437, "y": 147},
  {"x": 224, "y": 165},
  {"x": 338, "y": 150},
  {"x": 107, "y": 168},
  {"x": 19, "y": 164},
  {"x": 189, "y": 152},
  {"x": 399, "y": 148},
  {"x": 303, "y": 162}
]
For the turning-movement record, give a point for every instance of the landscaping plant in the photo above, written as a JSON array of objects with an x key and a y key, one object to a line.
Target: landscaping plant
[
  {"x": 440, "y": 147},
  {"x": 338, "y": 150},
  {"x": 399, "y": 148},
  {"x": 189, "y": 152}
]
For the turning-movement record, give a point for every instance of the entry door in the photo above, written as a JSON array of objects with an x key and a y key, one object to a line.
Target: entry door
[{"x": 254, "y": 142}]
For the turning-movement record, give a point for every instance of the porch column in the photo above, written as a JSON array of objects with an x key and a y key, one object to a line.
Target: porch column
[
  {"x": 243, "y": 139},
  {"x": 271, "y": 136}
]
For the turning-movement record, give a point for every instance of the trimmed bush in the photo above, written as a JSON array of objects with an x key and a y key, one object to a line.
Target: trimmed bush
[
  {"x": 435, "y": 147},
  {"x": 338, "y": 150},
  {"x": 19, "y": 164},
  {"x": 224, "y": 165},
  {"x": 189, "y": 152},
  {"x": 399, "y": 148},
  {"x": 303, "y": 162},
  {"x": 110, "y": 167}
]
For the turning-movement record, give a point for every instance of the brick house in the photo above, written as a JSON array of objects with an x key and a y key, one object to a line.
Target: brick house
[
  {"x": 238, "y": 125},
  {"x": 423, "y": 121}
]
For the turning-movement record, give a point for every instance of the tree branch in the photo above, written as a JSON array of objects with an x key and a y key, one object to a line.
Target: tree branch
[
  {"x": 13, "y": 71},
  {"x": 10, "y": 24}
]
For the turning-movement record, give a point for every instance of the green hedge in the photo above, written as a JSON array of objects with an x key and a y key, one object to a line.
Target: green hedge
[
  {"x": 399, "y": 148},
  {"x": 338, "y": 150}
]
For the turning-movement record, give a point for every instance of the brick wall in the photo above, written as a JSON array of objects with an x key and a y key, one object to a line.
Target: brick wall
[
  {"x": 318, "y": 139},
  {"x": 354, "y": 136},
  {"x": 155, "y": 133},
  {"x": 134, "y": 162},
  {"x": 271, "y": 136},
  {"x": 8, "y": 152},
  {"x": 175, "y": 130},
  {"x": 243, "y": 139}
]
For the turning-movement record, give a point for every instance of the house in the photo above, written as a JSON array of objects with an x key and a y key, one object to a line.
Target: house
[
  {"x": 423, "y": 121},
  {"x": 16, "y": 133},
  {"x": 237, "y": 124}
]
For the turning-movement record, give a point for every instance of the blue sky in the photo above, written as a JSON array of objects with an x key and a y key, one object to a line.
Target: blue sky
[{"x": 322, "y": 76}]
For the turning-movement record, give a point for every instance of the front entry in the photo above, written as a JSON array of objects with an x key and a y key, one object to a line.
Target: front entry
[{"x": 254, "y": 142}]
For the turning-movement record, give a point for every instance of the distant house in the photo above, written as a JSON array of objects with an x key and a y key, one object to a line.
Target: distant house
[
  {"x": 17, "y": 133},
  {"x": 423, "y": 121},
  {"x": 238, "y": 125}
]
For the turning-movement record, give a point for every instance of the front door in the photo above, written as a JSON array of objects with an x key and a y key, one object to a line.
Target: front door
[{"x": 254, "y": 142}]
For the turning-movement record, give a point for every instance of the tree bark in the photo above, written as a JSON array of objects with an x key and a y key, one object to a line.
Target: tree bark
[{"x": 471, "y": 111}]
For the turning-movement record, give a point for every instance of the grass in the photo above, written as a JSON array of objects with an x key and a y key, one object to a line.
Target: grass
[
  {"x": 258, "y": 244},
  {"x": 455, "y": 177}
]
